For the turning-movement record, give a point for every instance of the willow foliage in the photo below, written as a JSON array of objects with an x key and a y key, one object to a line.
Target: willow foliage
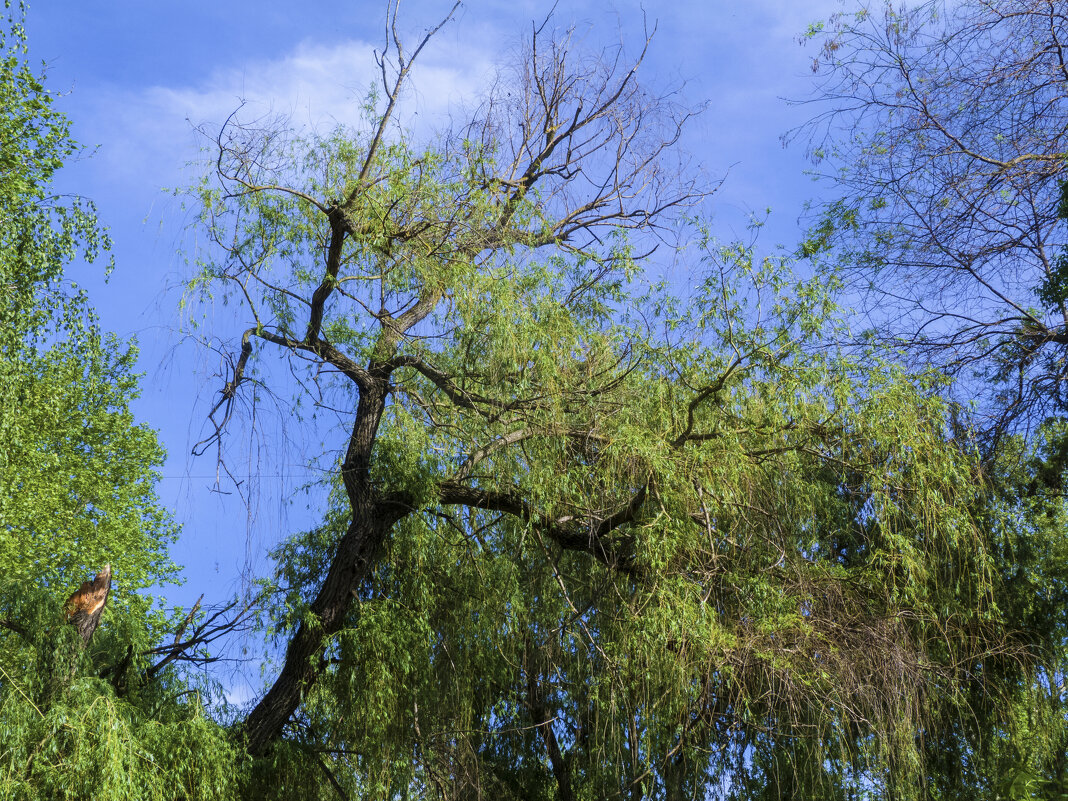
[
  {"x": 804, "y": 573},
  {"x": 590, "y": 537}
]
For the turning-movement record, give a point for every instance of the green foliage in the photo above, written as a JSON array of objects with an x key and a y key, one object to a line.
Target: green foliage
[
  {"x": 1022, "y": 740},
  {"x": 930, "y": 95},
  {"x": 623, "y": 543},
  {"x": 76, "y": 471},
  {"x": 68, "y": 734},
  {"x": 77, "y": 477},
  {"x": 809, "y": 524}
]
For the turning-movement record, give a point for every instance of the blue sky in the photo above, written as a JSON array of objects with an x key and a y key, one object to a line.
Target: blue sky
[{"x": 137, "y": 78}]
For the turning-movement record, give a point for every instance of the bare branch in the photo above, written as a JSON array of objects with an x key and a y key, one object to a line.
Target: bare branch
[{"x": 218, "y": 624}]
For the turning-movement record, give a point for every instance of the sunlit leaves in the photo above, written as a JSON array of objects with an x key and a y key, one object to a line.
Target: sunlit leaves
[{"x": 77, "y": 491}]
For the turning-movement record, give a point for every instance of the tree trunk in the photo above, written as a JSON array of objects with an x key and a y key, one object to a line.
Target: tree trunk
[{"x": 356, "y": 555}]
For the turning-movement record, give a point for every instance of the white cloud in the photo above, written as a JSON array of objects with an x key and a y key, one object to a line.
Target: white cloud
[
  {"x": 148, "y": 134},
  {"x": 317, "y": 86}
]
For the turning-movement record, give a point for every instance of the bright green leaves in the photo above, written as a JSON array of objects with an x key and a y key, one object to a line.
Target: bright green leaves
[
  {"x": 407, "y": 458},
  {"x": 89, "y": 744},
  {"x": 413, "y": 224},
  {"x": 38, "y": 234},
  {"x": 77, "y": 490},
  {"x": 76, "y": 472}
]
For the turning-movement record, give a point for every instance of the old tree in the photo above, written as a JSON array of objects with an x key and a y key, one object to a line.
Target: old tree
[
  {"x": 587, "y": 536},
  {"x": 588, "y": 539}
]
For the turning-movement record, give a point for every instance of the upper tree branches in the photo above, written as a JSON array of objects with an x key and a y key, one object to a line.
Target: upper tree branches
[
  {"x": 945, "y": 125},
  {"x": 359, "y": 262}
]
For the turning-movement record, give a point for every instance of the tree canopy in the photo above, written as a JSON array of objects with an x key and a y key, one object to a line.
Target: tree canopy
[
  {"x": 77, "y": 472},
  {"x": 589, "y": 533},
  {"x": 587, "y": 537},
  {"x": 949, "y": 226}
]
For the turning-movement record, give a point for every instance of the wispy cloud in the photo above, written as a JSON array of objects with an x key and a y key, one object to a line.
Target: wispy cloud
[
  {"x": 151, "y": 132},
  {"x": 318, "y": 85},
  {"x": 741, "y": 61}
]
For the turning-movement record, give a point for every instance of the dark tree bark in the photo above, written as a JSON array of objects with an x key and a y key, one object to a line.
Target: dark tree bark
[{"x": 356, "y": 555}]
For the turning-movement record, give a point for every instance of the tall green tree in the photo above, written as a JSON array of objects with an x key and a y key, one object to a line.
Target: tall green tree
[
  {"x": 76, "y": 471},
  {"x": 949, "y": 225},
  {"x": 587, "y": 539},
  {"x": 1014, "y": 744},
  {"x": 77, "y": 477}
]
